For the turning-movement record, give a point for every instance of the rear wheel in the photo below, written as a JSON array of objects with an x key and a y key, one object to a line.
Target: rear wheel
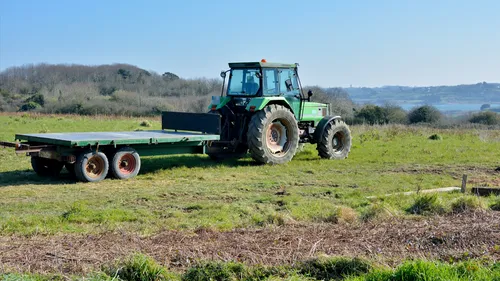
[
  {"x": 91, "y": 166},
  {"x": 125, "y": 163},
  {"x": 335, "y": 142},
  {"x": 45, "y": 167},
  {"x": 273, "y": 135}
]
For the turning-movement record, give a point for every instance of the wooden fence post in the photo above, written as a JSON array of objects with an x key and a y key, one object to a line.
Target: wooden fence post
[{"x": 464, "y": 183}]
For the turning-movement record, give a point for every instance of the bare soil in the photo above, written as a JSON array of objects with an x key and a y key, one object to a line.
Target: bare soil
[{"x": 451, "y": 237}]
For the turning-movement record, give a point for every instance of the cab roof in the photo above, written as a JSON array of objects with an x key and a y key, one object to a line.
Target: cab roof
[{"x": 262, "y": 64}]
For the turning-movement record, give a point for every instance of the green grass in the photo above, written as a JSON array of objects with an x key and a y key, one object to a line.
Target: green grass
[
  {"x": 426, "y": 204},
  {"x": 143, "y": 268},
  {"x": 191, "y": 191}
]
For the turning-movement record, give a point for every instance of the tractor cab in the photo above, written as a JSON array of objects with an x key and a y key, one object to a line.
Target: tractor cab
[{"x": 262, "y": 79}]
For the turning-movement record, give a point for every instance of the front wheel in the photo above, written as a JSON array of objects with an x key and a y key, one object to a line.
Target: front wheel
[
  {"x": 273, "y": 135},
  {"x": 335, "y": 142},
  {"x": 91, "y": 166}
]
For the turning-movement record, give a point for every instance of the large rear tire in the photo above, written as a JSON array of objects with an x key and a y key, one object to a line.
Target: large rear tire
[
  {"x": 273, "y": 135},
  {"x": 125, "y": 163},
  {"x": 91, "y": 166},
  {"x": 45, "y": 167},
  {"x": 335, "y": 142}
]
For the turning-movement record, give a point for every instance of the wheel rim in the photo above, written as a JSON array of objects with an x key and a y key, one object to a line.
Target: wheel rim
[
  {"x": 338, "y": 142},
  {"x": 127, "y": 164},
  {"x": 277, "y": 138},
  {"x": 95, "y": 166}
]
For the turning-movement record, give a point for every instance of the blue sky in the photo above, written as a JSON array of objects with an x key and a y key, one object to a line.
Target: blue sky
[{"x": 337, "y": 43}]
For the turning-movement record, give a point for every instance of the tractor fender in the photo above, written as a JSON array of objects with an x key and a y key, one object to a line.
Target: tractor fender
[
  {"x": 320, "y": 128},
  {"x": 257, "y": 104}
]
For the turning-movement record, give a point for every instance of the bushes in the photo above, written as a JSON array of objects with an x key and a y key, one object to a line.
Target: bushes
[
  {"x": 424, "y": 114},
  {"x": 33, "y": 102},
  {"x": 387, "y": 114},
  {"x": 486, "y": 118},
  {"x": 371, "y": 114}
]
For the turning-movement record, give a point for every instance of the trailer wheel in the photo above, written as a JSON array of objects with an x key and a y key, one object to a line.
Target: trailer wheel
[
  {"x": 273, "y": 135},
  {"x": 91, "y": 166},
  {"x": 335, "y": 142},
  {"x": 125, "y": 163},
  {"x": 46, "y": 167}
]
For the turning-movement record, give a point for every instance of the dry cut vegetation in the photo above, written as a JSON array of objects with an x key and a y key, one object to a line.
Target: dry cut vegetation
[{"x": 186, "y": 211}]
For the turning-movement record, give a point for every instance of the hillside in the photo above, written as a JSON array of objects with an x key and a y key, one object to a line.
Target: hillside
[
  {"x": 119, "y": 89},
  {"x": 124, "y": 89},
  {"x": 475, "y": 93},
  {"x": 106, "y": 89}
]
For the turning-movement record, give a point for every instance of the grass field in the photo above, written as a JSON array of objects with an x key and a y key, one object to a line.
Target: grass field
[{"x": 191, "y": 193}]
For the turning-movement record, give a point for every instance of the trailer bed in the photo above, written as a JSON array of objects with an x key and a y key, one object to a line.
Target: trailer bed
[{"x": 115, "y": 138}]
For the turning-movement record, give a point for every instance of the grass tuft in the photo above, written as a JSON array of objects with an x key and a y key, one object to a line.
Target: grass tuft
[
  {"x": 466, "y": 203},
  {"x": 435, "y": 137},
  {"x": 375, "y": 212},
  {"x": 214, "y": 271},
  {"x": 495, "y": 206},
  {"x": 347, "y": 215},
  {"x": 333, "y": 268},
  {"x": 426, "y": 205},
  {"x": 340, "y": 214},
  {"x": 145, "y": 123},
  {"x": 139, "y": 267}
]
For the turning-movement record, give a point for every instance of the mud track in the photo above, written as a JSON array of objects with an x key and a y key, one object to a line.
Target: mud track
[{"x": 449, "y": 237}]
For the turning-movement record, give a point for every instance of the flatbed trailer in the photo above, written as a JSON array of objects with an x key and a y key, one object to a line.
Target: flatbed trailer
[{"x": 90, "y": 156}]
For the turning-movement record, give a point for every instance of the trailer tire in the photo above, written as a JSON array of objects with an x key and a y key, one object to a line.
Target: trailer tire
[
  {"x": 45, "y": 167},
  {"x": 335, "y": 141},
  {"x": 91, "y": 166},
  {"x": 273, "y": 135},
  {"x": 125, "y": 163}
]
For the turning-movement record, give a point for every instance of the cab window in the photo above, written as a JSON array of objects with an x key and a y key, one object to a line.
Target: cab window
[
  {"x": 270, "y": 82},
  {"x": 288, "y": 82}
]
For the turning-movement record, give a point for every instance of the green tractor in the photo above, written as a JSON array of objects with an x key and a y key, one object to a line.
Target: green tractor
[{"x": 265, "y": 112}]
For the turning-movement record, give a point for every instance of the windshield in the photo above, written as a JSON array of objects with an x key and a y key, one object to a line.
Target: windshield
[{"x": 243, "y": 82}]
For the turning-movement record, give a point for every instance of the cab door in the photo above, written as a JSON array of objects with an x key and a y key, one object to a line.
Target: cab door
[{"x": 289, "y": 88}]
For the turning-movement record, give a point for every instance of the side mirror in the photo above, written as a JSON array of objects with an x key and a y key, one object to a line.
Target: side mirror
[
  {"x": 223, "y": 74},
  {"x": 258, "y": 74},
  {"x": 309, "y": 95}
]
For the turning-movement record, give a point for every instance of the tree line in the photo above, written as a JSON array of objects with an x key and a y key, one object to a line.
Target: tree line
[
  {"x": 107, "y": 89},
  {"x": 122, "y": 89}
]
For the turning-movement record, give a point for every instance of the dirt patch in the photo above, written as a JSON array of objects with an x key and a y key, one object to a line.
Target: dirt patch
[{"x": 450, "y": 237}]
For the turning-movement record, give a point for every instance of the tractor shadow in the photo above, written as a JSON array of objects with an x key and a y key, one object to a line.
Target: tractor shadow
[
  {"x": 29, "y": 177},
  {"x": 148, "y": 165},
  {"x": 153, "y": 164}
]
